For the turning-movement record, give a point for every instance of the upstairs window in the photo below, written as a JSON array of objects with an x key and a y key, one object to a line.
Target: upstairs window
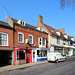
[
  {"x": 58, "y": 41},
  {"x": 3, "y": 39},
  {"x": 20, "y": 37},
  {"x": 30, "y": 39},
  {"x": 22, "y": 23},
  {"x": 42, "y": 41}
]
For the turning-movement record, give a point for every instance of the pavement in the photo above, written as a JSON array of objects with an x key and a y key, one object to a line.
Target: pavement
[{"x": 12, "y": 67}]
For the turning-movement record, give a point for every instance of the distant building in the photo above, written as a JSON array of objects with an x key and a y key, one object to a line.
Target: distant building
[{"x": 57, "y": 39}]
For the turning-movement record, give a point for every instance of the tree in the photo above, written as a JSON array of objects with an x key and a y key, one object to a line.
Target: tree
[{"x": 67, "y": 3}]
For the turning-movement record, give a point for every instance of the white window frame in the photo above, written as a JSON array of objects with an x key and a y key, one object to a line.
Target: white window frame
[
  {"x": 22, "y": 23},
  {"x": 45, "y": 41},
  {"x": 41, "y": 41},
  {"x": 32, "y": 39},
  {"x": 18, "y": 37},
  {"x": 7, "y": 38}
]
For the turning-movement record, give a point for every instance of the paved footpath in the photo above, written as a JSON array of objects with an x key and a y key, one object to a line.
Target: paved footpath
[{"x": 12, "y": 67}]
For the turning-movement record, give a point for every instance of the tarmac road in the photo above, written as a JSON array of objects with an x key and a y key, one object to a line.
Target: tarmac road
[{"x": 61, "y": 68}]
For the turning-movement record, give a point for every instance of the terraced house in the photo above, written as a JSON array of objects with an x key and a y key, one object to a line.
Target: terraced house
[
  {"x": 58, "y": 40},
  {"x": 23, "y": 43},
  {"x": 30, "y": 44},
  {"x": 6, "y": 43}
]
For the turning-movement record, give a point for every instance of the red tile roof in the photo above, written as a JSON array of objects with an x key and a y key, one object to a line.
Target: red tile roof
[{"x": 53, "y": 31}]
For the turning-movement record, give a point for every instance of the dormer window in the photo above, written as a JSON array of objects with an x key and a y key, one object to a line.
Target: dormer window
[{"x": 22, "y": 23}]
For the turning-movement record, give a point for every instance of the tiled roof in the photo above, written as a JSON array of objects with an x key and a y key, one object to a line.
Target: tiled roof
[
  {"x": 30, "y": 26},
  {"x": 53, "y": 31},
  {"x": 26, "y": 25},
  {"x": 14, "y": 20},
  {"x": 5, "y": 24}
]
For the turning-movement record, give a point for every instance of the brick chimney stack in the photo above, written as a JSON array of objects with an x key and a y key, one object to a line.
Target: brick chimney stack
[{"x": 40, "y": 19}]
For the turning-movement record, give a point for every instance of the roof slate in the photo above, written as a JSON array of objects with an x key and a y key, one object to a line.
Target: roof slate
[{"x": 5, "y": 24}]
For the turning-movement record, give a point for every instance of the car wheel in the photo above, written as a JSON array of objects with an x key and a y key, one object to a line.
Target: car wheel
[{"x": 57, "y": 61}]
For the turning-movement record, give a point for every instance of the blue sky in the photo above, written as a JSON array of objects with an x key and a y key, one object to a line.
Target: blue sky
[{"x": 28, "y": 10}]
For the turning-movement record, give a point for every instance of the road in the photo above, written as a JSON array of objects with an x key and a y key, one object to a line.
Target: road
[{"x": 61, "y": 68}]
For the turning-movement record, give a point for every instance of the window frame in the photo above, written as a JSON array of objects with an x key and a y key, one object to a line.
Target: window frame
[
  {"x": 32, "y": 39},
  {"x": 41, "y": 41},
  {"x": 7, "y": 38},
  {"x": 18, "y": 55},
  {"x": 58, "y": 40},
  {"x": 44, "y": 41},
  {"x": 18, "y": 37}
]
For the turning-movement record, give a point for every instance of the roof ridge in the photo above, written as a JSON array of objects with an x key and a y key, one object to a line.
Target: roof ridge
[{"x": 50, "y": 27}]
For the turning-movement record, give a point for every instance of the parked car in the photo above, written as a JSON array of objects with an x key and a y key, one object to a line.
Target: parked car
[{"x": 55, "y": 56}]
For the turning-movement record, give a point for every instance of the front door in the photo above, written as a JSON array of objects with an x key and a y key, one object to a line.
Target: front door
[{"x": 28, "y": 57}]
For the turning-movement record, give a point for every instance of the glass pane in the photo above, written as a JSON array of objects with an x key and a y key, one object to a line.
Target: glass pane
[
  {"x": 20, "y": 37},
  {"x": 16, "y": 55},
  {"x": 28, "y": 54},
  {"x": 0, "y": 42},
  {"x": 21, "y": 55},
  {"x": 39, "y": 53},
  {"x": 30, "y": 39},
  {"x": 44, "y": 41},
  {"x": 3, "y": 39}
]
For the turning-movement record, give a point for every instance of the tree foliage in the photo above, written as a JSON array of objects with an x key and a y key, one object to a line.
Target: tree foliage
[{"x": 67, "y": 3}]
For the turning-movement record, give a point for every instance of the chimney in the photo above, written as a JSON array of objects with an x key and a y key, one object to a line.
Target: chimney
[{"x": 40, "y": 19}]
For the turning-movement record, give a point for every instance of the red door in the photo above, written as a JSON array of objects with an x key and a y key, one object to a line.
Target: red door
[{"x": 29, "y": 56}]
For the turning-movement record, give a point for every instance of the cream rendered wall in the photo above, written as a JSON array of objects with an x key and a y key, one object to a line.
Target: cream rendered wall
[{"x": 53, "y": 41}]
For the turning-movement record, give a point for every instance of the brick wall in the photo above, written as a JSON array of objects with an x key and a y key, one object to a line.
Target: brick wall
[
  {"x": 27, "y": 32},
  {"x": 10, "y": 38}
]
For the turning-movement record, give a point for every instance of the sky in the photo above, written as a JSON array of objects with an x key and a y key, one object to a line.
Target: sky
[{"x": 28, "y": 10}]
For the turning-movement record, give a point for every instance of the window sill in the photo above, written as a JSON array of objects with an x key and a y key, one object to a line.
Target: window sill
[
  {"x": 20, "y": 42},
  {"x": 31, "y": 43},
  {"x": 4, "y": 46}
]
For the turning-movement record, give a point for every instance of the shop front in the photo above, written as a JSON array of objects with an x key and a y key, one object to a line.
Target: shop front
[
  {"x": 22, "y": 55},
  {"x": 39, "y": 54},
  {"x": 68, "y": 50},
  {"x": 58, "y": 49}
]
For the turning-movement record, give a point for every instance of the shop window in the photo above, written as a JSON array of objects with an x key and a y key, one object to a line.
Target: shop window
[
  {"x": 41, "y": 53},
  {"x": 17, "y": 55},
  {"x": 20, "y": 55},
  {"x": 3, "y": 39},
  {"x": 30, "y": 39},
  {"x": 20, "y": 37}
]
